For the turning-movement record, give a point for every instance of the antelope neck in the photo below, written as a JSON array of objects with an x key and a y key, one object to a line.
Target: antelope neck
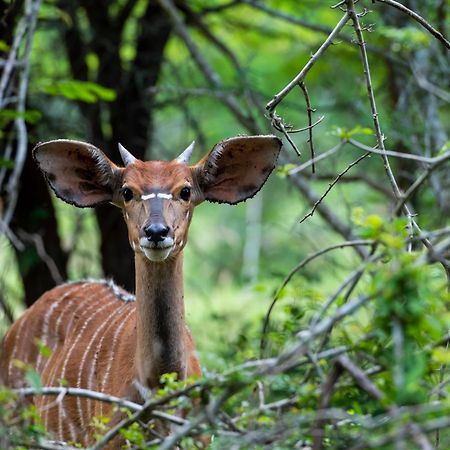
[{"x": 161, "y": 327}]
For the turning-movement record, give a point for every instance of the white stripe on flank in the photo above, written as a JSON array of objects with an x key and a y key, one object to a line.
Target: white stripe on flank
[
  {"x": 46, "y": 324},
  {"x": 73, "y": 432},
  {"x": 83, "y": 360},
  {"x": 69, "y": 353},
  {"x": 93, "y": 361},
  {"x": 96, "y": 386},
  {"x": 72, "y": 313},
  {"x": 53, "y": 373},
  {"x": 113, "y": 349}
]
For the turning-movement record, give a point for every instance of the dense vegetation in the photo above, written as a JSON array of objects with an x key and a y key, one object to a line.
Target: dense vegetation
[{"x": 320, "y": 307}]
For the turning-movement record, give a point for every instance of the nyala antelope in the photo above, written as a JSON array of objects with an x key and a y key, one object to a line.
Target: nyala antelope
[{"x": 101, "y": 337}]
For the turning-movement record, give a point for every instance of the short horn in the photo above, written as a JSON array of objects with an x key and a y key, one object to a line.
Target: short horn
[
  {"x": 186, "y": 155},
  {"x": 127, "y": 157}
]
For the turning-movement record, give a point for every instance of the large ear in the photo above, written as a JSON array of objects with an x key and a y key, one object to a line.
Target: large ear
[
  {"x": 236, "y": 168},
  {"x": 79, "y": 173}
]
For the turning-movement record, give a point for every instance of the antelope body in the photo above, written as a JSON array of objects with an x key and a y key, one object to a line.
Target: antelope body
[{"x": 101, "y": 337}]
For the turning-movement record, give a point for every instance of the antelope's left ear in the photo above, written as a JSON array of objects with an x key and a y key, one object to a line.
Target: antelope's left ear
[{"x": 236, "y": 168}]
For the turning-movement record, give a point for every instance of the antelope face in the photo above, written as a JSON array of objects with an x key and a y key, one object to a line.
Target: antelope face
[
  {"x": 157, "y": 197},
  {"x": 157, "y": 202}
]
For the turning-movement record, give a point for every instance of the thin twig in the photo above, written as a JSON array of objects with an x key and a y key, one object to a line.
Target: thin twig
[
  {"x": 318, "y": 158},
  {"x": 309, "y": 110},
  {"x": 288, "y": 278},
  {"x": 330, "y": 186},
  {"x": 437, "y": 161},
  {"x": 314, "y": 58},
  {"x": 421, "y": 159},
  {"x": 437, "y": 34}
]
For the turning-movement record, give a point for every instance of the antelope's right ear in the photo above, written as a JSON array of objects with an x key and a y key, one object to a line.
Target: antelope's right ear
[{"x": 78, "y": 173}]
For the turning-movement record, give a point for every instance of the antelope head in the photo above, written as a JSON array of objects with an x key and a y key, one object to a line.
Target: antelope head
[{"x": 158, "y": 197}]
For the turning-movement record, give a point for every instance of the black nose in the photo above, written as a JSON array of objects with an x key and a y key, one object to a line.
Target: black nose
[{"x": 156, "y": 232}]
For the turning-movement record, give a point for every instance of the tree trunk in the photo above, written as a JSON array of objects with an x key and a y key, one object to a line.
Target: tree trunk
[{"x": 129, "y": 115}]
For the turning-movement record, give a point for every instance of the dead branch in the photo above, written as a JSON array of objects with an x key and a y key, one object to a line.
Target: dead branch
[
  {"x": 418, "y": 18},
  {"x": 330, "y": 186},
  {"x": 302, "y": 74}
]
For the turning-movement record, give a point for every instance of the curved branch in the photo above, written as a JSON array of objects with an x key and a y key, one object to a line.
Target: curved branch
[
  {"x": 437, "y": 34},
  {"x": 288, "y": 278}
]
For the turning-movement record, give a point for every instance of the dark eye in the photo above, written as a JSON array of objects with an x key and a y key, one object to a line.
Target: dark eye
[
  {"x": 127, "y": 194},
  {"x": 185, "y": 193}
]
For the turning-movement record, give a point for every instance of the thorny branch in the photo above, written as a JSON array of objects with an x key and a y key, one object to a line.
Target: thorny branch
[{"x": 417, "y": 17}]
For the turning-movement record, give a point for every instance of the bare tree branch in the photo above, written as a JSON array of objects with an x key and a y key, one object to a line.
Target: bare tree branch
[
  {"x": 314, "y": 58},
  {"x": 418, "y": 18}
]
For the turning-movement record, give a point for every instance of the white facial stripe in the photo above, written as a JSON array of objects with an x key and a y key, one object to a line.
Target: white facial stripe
[
  {"x": 166, "y": 196},
  {"x": 148, "y": 196},
  {"x": 159, "y": 195}
]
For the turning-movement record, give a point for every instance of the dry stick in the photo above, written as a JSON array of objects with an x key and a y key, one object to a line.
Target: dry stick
[
  {"x": 299, "y": 78},
  {"x": 299, "y": 130},
  {"x": 78, "y": 392},
  {"x": 363, "y": 381},
  {"x": 355, "y": 178},
  {"x": 210, "y": 414},
  {"x": 316, "y": 159},
  {"x": 289, "y": 358},
  {"x": 420, "y": 159},
  {"x": 277, "y": 122},
  {"x": 326, "y": 213},
  {"x": 380, "y": 137},
  {"x": 437, "y": 161},
  {"x": 370, "y": 93},
  {"x": 309, "y": 110},
  {"x": 322, "y": 29},
  {"x": 351, "y": 280},
  {"x": 288, "y": 278},
  {"x": 438, "y": 35},
  {"x": 360, "y": 377},
  {"x": 146, "y": 408},
  {"x": 330, "y": 186},
  {"x": 44, "y": 445},
  {"x": 38, "y": 242}
]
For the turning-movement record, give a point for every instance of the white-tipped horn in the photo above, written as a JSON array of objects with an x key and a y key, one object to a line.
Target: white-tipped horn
[
  {"x": 186, "y": 155},
  {"x": 127, "y": 157}
]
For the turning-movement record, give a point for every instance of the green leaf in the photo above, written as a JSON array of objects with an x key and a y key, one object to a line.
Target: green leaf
[
  {"x": 441, "y": 355},
  {"x": 283, "y": 171},
  {"x": 33, "y": 379},
  {"x": 84, "y": 91},
  {"x": 4, "y": 47},
  {"x": 6, "y": 163},
  {"x": 30, "y": 116}
]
